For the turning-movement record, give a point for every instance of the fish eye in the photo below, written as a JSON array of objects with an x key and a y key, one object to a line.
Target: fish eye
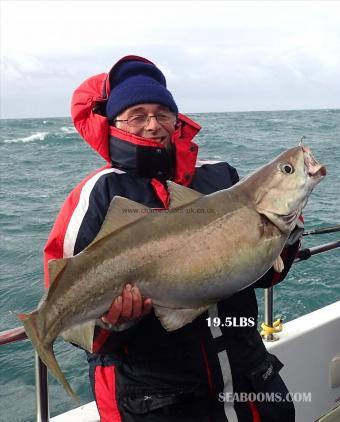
[{"x": 286, "y": 168}]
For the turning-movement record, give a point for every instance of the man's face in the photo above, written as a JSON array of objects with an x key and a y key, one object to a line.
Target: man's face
[{"x": 141, "y": 123}]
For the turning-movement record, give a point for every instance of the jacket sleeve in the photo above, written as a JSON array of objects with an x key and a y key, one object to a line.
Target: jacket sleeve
[{"x": 76, "y": 225}]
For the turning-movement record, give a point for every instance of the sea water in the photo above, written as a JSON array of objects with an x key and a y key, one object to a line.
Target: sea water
[{"x": 43, "y": 159}]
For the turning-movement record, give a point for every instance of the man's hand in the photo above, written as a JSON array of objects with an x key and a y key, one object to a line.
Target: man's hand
[{"x": 126, "y": 307}]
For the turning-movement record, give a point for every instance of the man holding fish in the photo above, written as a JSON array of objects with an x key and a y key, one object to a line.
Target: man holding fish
[{"x": 158, "y": 353}]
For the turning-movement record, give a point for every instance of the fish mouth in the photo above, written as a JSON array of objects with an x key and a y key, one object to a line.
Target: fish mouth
[{"x": 313, "y": 168}]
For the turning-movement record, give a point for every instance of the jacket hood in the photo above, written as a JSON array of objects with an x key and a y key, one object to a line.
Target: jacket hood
[{"x": 88, "y": 115}]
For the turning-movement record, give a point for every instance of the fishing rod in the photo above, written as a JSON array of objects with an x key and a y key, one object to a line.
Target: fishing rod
[
  {"x": 304, "y": 254},
  {"x": 323, "y": 230}
]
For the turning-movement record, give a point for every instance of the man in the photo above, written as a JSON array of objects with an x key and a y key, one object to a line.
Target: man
[{"x": 138, "y": 371}]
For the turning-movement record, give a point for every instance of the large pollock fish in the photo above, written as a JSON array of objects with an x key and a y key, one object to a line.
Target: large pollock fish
[{"x": 203, "y": 249}]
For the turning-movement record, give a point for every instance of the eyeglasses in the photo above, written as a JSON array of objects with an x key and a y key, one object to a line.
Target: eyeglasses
[{"x": 142, "y": 120}]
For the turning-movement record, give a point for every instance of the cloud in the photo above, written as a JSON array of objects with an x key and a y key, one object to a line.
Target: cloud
[{"x": 217, "y": 56}]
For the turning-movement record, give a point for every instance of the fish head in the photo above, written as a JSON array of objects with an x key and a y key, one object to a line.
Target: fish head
[{"x": 282, "y": 187}]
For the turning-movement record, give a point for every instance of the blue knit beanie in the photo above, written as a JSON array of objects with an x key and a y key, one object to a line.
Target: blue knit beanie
[{"x": 135, "y": 82}]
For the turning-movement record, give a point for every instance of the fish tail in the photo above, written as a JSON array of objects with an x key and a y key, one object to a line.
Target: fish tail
[{"x": 45, "y": 351}]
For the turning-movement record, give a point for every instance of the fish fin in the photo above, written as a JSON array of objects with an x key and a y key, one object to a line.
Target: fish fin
[
  {"x": 55, "y": 267},
  {"x": 45, "y": 351},
  {"x": 173, "y": 319},
  {"x": 118, "y": 216},
  {"x": 82, "y": 335},
  {"x": 181, "y": 195},
  {"x": 278, "y": 265}
]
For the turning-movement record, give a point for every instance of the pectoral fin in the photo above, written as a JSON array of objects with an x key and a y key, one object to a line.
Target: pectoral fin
[
  {"x": 278, "y": 265},
  {"x": 173, "y": 319}
]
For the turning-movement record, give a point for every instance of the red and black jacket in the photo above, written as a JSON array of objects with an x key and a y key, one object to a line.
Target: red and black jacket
[{"x": 145, "y": 360}]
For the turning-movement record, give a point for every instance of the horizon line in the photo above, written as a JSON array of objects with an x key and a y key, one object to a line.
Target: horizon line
[{"x": 191, "y": 113}]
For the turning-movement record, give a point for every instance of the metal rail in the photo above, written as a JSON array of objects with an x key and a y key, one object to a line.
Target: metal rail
[
  {"x": 10, "y": 336},
  {"x": 322, "y": 230},
  {"x": 304, "y": 254},
  {"x": 41, "y": 383}
]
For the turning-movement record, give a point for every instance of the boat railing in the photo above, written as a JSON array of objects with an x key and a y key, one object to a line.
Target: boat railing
[{"x": 41, "y": 383}]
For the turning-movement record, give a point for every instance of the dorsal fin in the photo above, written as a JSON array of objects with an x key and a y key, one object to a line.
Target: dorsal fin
[
  {"x": 181, "y": 195},
  {"x": 121, "y": 213}
]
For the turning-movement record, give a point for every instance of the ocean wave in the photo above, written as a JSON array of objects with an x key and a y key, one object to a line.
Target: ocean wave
[
  {"x": 39, "y": 136},
  {"x": 67, "y": 129}
]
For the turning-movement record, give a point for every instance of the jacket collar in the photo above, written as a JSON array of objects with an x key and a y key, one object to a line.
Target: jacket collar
[
  {"x": 139, "y": 156},
  {"x": 150, "y": 159}
]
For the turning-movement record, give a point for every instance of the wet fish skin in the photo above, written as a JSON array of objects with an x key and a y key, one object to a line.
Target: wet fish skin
[{"x": 183, "y": 259}]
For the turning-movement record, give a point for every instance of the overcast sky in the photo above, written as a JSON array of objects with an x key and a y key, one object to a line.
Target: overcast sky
[{"x": 216, "y": 55}]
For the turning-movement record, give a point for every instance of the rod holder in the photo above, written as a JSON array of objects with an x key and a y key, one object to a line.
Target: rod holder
[{"x": 268, "y": 313}]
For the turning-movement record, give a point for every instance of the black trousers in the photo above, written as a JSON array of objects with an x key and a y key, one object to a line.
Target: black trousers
[
  {"x": 278, "y": 411},
  {"x": 274, "y": 405},
  {"x": 191, "y": 406}
]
